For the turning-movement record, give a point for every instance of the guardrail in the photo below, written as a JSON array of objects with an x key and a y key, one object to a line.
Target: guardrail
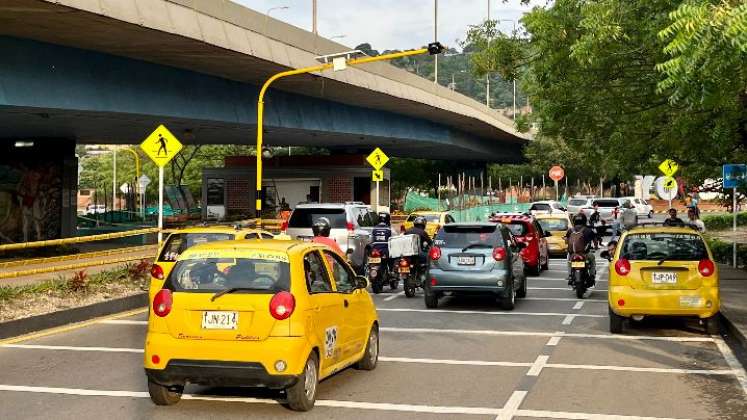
[
  {"x": 81, "y": 256},
  {"x": 77, "y": 239},
  {"x": 43, "y": 270}
]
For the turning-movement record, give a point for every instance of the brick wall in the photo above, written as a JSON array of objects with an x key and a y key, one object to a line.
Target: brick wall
[
  {"x": 239, "y": 196},
  {"x": 337, "y": 189}
]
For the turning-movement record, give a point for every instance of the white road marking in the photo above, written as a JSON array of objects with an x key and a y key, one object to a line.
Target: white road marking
[
  {"x": 447, "y": 311},
  {"x": 568, "y": 319},
  {"x": 553, "y": 341},
  {"x": 580, "y": 304},
  {"x": 565, "y": 279},
  {"x": 562, "y": 288},
  {"x": 394, "y": 296},
  {"x": 566, "y": 299},
  {"x": 72, "y": 348},
  {"x": 123, "y": 322},
  {"x": 583, "y": 416},
  {"x": 549, "y": 334},
  {"x": 642, "y": 369},
  {"x": 453, "y": 362},
  {"x": 512, "y": 405},
  {"x": 538, "y": 365},
  {"x": 732, "y": 361},
  {"x": 73, "y": 391}
]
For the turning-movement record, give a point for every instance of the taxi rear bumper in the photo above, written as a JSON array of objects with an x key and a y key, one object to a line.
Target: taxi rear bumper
[
  {"x": 218, "y": 373},
  {"x": 702, "y": 302}
]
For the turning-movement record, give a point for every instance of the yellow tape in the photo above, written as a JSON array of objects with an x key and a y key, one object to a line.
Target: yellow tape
[
  {"x": 48, "y": 260},
  {"x": 77, "y": 240},
  {"x": 22, "y": 273}
]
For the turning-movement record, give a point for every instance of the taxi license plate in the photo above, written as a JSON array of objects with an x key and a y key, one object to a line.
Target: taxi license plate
[
  {"x": 374, "y": 260},
  {"x": 578, "y": 264},
  {"x": 220, "y": 320},
  {"x": 664, "y": 278},
  {"x": 466, "y": 260}
]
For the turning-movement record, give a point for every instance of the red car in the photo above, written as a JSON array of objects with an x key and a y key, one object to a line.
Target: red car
[{"x": 525, "y": 229}]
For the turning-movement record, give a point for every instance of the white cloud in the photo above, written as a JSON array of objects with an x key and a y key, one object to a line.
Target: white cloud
[{"x": 392, "y": 24}]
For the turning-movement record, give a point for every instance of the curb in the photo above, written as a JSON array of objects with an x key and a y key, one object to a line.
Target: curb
[
  {"x": 35, "y": 323},
  {"x": 733, "y": 331}
]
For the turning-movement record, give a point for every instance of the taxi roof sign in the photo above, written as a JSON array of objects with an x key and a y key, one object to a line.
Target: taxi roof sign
[
  {"x": 377, "y": 159},
  {"x": 668, "y": 167},
  {"x": 161, "y": 146}
]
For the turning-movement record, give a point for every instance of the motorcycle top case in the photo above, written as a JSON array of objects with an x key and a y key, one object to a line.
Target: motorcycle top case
[{"x": 403, "y": 246}]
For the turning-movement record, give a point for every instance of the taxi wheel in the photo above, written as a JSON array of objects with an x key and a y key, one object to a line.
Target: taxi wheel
[
  {"x": 302, "y": 395},
  {"x": 162, "y": 395},
  {"x": 371, "y": 355},
  {"x": 616, "y": 322},
  {"x": 711, "y": 325}
]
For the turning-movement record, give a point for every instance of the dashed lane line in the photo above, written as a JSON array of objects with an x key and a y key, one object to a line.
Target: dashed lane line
[
  {"x": 547, "y": 334},
  {"x": 453, "y": 362},
  {"x": 568, "y": 319},
  {"x": 467, "y": 312},
  {"x": 538, "y": 364},
  {"x": 566, "y": 300},
  {"x": 580, "y": 304},
  {"x": 563, "y": 288},
  {"x": 394, "y": 296},
  {"x": 72, "y": 348},
  {"x": 512, "y": 405},
  {"x": 553, "y": 341},
  {"x": 124, "y": 322}
]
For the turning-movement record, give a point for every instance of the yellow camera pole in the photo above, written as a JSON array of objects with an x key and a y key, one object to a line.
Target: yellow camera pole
[
  {"x": 137, "y": 173},
  {"x": 434, "y": 48}
]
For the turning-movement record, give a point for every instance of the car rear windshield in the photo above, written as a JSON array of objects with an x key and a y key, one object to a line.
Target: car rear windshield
[
  {"x": 542, "y": 207},
  {"x": 461, "y": 236},
  {"x": 216, "y": 274},
  {"x": 554, "y": 225},
  {"x": 429, "y": 218},
  {"x": 304, "y": 218},
  {"x": 607, "y": 203},
  {"x": 577, "y": 202},
  {"x": 516, "y": 227},
  {"x": 664, "y": 246},
  {"x": 179, "y": 242}
]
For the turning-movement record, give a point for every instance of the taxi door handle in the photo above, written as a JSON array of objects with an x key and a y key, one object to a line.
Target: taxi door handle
[{"x": 345, "y": 303}]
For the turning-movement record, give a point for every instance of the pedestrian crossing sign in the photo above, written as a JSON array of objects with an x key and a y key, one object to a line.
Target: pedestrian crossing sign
[
  {"x": 161, "y": 146},
  {"x": 377, "y": 159},
  {"x": 668, "y": 167},
  {"x": 377, "y": 175}
]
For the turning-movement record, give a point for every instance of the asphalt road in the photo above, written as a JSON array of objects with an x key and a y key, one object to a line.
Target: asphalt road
[{"x": 552, "y": 357}]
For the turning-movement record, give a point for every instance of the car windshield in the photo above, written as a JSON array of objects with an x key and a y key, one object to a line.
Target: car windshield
[
  {"x": 517, "y": 228},
  {"x": 606, "y": 203},
  {"x": 180, "y": 242},
  {"x": 216, "y": 274},
  {"x": 554, "y": 225},
  {"x": 305, "y": 217},
  {"x": 664, "y": 246},
  {"x": 577, "y": 202},
  {"x": 540, "y": 206},
  {"x": 462, "y": 236}
]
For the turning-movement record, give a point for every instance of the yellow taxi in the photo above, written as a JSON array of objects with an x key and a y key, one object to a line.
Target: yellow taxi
[
  {"x": 557, "y": 225},
  {"x": 180, "y": 240},
  {"x": 275, "y": 314},
  {"x": 434, "y": 221},
  {"x": 663, "y": 271}
]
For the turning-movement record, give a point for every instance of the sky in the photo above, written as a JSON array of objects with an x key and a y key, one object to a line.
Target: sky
[{"x": 392, "y": 24}]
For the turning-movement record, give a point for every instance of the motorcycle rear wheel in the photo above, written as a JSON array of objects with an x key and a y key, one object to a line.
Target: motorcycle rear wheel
[{"x": 409, "y": 287}]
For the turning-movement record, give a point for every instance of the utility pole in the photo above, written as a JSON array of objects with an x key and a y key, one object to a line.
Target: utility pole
[{"x": 313, "y": 22}]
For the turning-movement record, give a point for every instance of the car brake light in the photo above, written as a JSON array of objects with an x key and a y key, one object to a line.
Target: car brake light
[
  {"x": 404, "y": 263},
  {"x": 578, "y": 257},
  {"x": 622, "y": 267},
  {"x": 157, "y": 271},
  {"x": 499, "y": 254},
  {"x": 162, "y": 302},
  {"x": 282, "y": 305},
  {"x": 435, "y": 253},
  {"x": 350, "y": 227},
  {"x": 706, "y": 267},
  {"x": 284, "y": 226},
  {"x": 375, "y": 253}
]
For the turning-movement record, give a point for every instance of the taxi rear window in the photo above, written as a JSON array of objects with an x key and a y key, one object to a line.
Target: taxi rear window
[
  {"x": 180, "y": 242},
  {"x": 664, "y": 246},
  {"x": 429, "y": 218},
  {"x": 216, "y": 274},
  {"x": 554, "y": 225},
  {"x": 540, "y": 206}
]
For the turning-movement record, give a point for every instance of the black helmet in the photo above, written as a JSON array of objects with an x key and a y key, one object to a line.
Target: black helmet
[
  {"x": 384, "y": 218},
  {"x": 579, "y": 219},
  {"x": 321, "y": 227},
  {"x": 419, "y": 222}
]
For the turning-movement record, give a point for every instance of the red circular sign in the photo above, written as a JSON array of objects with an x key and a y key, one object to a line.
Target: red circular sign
[{"x": 556, "y": 173}]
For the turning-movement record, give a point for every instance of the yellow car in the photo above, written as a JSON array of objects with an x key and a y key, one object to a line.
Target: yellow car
[
  {"x": 180, "y": 240},
  {"x": 557, "y": 225},
  {"x": 663, "y": 271},
  {"x": 434, "y": 221},
  {"x": 275, "y": 314}
]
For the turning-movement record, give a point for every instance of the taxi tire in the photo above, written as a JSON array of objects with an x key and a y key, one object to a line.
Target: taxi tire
[
  {"x": 296, "y": 394},
  {"x": 711, "y": 325},
  {"x": 617, "y": 322},
  {"x": 162, "y": 395},
  {"x": 369, "y": 360}
]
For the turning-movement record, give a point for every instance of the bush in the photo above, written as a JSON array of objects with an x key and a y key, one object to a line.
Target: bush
[
  {"x": 722, "y": 251},
  {"x": 724, "y": 221}
]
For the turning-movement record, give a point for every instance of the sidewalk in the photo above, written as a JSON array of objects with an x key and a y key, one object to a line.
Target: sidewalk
[{"x": 734, "y": 301}]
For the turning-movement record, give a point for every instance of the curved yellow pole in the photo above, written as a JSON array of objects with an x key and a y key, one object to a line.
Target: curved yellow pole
[{"x": 261, "y": 107}]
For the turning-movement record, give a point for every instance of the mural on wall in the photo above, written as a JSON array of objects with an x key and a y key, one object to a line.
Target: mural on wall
[{"x": 30, "y": 201}]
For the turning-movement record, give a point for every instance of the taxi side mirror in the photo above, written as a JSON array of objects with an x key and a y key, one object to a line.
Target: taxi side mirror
[{"x": 361, "y": 282}]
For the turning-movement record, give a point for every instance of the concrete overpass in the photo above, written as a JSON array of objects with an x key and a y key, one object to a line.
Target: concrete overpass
[{"x": 107, "y": 71}]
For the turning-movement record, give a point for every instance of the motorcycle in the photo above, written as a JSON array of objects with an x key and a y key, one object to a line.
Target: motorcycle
[
  {"x": 413, "y": 272},
  {"x": 379, "y": 272},
  {"x": 581, "y": 278}
]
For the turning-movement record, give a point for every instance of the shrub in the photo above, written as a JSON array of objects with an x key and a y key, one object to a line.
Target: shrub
[
  {"x": 139, "y": 271},
  {"x": 79, "y": 281},
  {"x": 722, "y": 251},
  {"x": 724, "y": 221}
]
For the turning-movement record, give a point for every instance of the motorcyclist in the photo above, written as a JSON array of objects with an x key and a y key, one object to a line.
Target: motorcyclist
[
  {"x": 579, "y": 239},
  {"x": 321, "y": 229},
  {"x": 381, "y": 234},
  {"x": 418, "y": 228}
]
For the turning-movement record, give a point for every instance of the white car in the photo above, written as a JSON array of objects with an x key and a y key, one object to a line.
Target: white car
[
  {"x": 547, "y": 207},
  {"x": 575, "y": 204},
  {"x": 95, "y": 209},
  {"x": 641, "y": 207}
]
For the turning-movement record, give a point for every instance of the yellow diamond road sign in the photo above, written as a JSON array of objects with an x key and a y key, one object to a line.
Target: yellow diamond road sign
[
  {"x": 161, "y": 146},
  {"x": 377, "y": 159},
  {"x": 668, "y": 167},
  {"x": 377, "y": 175}
]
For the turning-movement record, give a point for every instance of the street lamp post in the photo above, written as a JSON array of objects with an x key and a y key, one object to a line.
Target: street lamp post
[
  {"x": 338, "y": 62},
  {"x": 313, "y": 19},
  {"x": 514, "y": 34}
]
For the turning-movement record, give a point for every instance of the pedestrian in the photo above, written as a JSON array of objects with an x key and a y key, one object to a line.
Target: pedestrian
[
  {"x": 628, "y": 217},
  {"x": 596, "y": 224},
  {"x": 694, "y": 220}
]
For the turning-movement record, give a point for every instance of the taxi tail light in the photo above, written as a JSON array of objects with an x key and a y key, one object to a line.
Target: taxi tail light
[
  {"x": 435, "y": 253},
  {"x": 706, "y": 267},
  {"x": 156, "y": 272},
  {"x": 499, "y": 253},
  {"x": 622, "y": 267},
  {"x": 282, "y": 305},
  {"x": 162, "y": 302},
  {"x": 376, "y": 253}
]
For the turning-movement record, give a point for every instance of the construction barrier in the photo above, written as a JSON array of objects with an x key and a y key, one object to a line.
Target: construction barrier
[
  {"x": 77, "y": 239},
  {"x": 81, "y": 256},
  {"x": 43, "y": 270}
]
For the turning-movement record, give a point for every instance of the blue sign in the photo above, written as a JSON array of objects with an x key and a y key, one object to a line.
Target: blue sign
[{"x": 735, "y": 175}]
